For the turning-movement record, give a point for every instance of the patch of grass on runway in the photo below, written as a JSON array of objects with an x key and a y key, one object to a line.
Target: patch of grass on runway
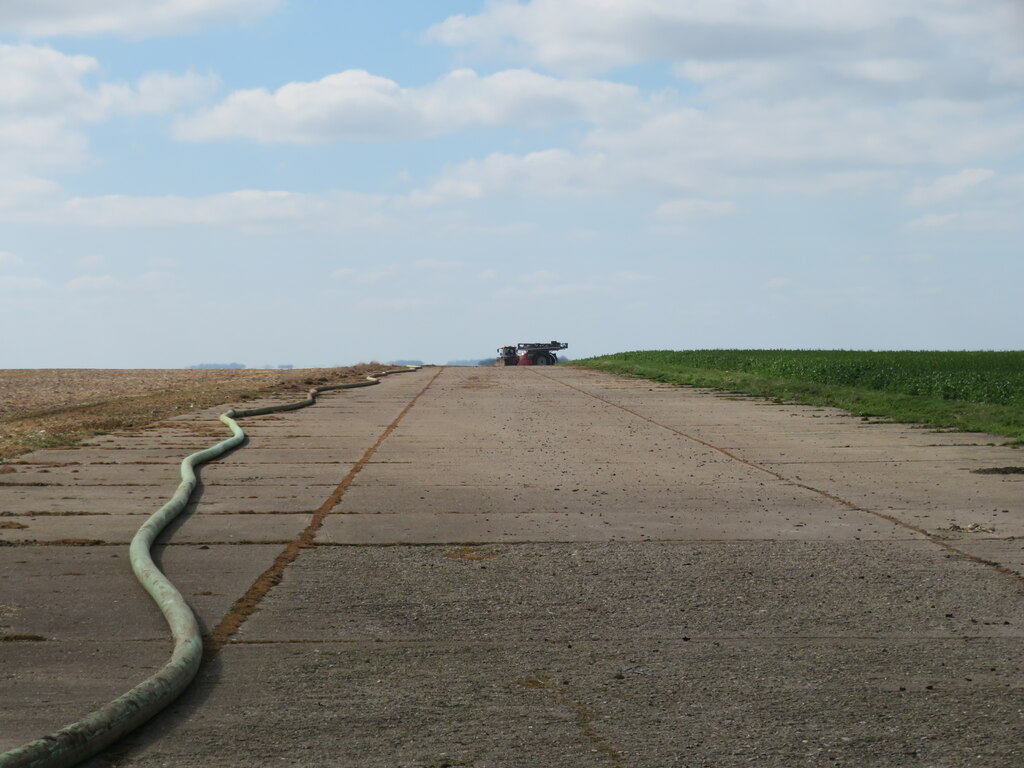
[{"x": 969, "y": 391}]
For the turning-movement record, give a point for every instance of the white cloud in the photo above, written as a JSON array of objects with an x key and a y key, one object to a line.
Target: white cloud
[
  {"x": 157, "y": 92},
  {"x": 16, "y": 190},
  {"x": 933, "y": 221},
  {"x": 552, "y": 172},
  {"x": 11, "y": 284},
  {"x": 584, "y": 36},
  {"x": 40, "y": 82},
  {"x": 436, "y": 264},
  {"x": 355, "y": 104},
  {"x": 136, "y": 18},
  {"x": 1010, "y": 71},
  {"x": 743, "y": 147},
  {"x": 794, "y": 95},
  {"x": 692, "y": 209},
  {"x": 558, "y": 289},
  {"x": 105, "y": 285},
  {"x": 252, "y": 209},
  {"x": 888, "y": 70},
  {"x": 8, "y": 259},
  {"x": 632, "y": 277},
  {"x": 398, "y": 303},
  {"x": 811, "y": 136},
  {"x": 950, "y": 187},
  {"x": 916, "y": 258},
  {"x": 91, "y": 283},
  {"x": 364, "y": 276},
  {"x": 161, "y": 263},
  {"x": 548, "y": 283},
  {"x": 972, "y": 199},
  {"x": 92, "y": 261},
  {"x": 37, "y": 80},
  {"x": 31, "y": 144},
  {"x": 581, "y": 35},
  {"x": 46, "y": 97},
  {"x": 463, "y": 225},
  {"x": 541, "y": 276},
  {"x": 1003, "y": 215}
]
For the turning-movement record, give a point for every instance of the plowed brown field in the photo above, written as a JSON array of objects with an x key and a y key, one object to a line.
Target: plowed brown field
[{"x": 42, "y": 408}]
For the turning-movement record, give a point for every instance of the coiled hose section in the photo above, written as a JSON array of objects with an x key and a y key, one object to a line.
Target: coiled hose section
[{"x": 81, "y": 740}]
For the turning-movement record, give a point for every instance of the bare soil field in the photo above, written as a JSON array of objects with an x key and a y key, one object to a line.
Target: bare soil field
[{"x": 48, "y": 408}]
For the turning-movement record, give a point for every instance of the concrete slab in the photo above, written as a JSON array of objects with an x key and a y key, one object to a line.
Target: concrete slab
[
  {"x": 430, "y": 707},
  {"x": 154, "y": 474},
  {"x": 956, "y": 523},
  {"x": 109, "y": 499},
  {"x": 1007, "y": 552},
  {"x": 328, "y": 452},
  {"x": 119, "y": 529},
  {"x": 916, "y": 484},
  {"x": 78, "y": 594},
  {"x": 261, "y": 472},
  {"x": 425, "y": 527},
  {"x": 237, "y": 500},
  {"x": 788, "y": 447},
  {"x": 580, "y": 467},
  {"x": 648, "y": 704},
  {"x": 631, "y": 654},
  {"x": 924, "y": 478},
  {"x": 91, "y": 454},
  {"x": 47, "y": 685},
  {"x": 794, "y": 589}
]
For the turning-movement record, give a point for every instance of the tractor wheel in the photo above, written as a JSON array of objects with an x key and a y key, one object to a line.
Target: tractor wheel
[{"x": 542, "y": 360}]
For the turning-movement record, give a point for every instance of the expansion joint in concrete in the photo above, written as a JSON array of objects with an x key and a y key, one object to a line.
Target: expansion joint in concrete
[{"x": 246, "y": 605}]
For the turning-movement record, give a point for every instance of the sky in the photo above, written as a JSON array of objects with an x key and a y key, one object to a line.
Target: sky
[{"x": 299, "y": 182}]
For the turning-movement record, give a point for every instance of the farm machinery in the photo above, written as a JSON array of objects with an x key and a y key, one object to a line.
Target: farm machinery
[{"x": 531, "y": 353}]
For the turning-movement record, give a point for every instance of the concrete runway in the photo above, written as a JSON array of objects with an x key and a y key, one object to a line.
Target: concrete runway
[{"x": 532, "y": 567}]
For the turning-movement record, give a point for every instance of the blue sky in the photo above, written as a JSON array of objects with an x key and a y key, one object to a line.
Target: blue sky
[{"x": 276, "y": 181}]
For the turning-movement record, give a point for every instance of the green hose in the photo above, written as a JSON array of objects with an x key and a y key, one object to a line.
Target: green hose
[{"x": 81, "y": 740}]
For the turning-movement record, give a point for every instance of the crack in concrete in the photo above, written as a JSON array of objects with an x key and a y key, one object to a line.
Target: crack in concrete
[
  {"x": 584, "y": 717},
  {"x": 246, "y": 605},
  {"x": 884, "y": 640}
]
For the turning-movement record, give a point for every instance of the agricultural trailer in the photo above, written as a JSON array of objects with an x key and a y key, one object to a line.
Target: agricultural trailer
[{"x": 530, "y": 353}]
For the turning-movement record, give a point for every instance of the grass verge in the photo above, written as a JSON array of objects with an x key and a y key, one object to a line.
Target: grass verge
[{"x": 865, "y": 383}]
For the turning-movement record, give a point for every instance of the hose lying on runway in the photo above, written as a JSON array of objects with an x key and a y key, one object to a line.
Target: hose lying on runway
[{"x": 81, "y": 740}]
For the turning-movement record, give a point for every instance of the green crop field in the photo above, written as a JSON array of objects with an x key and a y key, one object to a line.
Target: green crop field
[{"x": 980, "y": 391}]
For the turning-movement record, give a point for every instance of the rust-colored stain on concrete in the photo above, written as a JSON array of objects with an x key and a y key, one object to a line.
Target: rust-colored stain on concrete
[
  {"x": 584, "y": 717},
  {"x": 470, "y": 553},
  {"x": 534, "y": 682}
]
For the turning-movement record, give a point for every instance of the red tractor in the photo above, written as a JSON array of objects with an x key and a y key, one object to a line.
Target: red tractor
[{"x": 531, "y": 353}]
